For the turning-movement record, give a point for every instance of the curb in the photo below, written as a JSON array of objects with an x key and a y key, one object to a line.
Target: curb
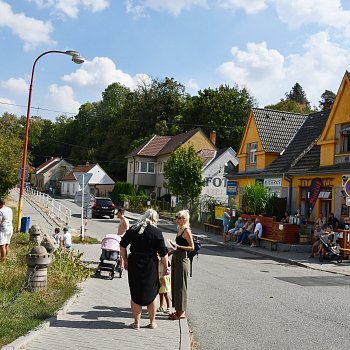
[{"x": 20, "y": 342}]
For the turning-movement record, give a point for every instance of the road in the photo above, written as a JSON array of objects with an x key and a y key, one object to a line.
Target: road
[{"x": 242, "y": 301}]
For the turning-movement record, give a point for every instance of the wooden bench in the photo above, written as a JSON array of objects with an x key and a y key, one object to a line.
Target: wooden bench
[
  {"x": 272, "y": 242},
  {"x": 217, "y": 229}
]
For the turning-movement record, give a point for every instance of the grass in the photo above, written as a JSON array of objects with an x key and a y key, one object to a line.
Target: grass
[
  {"x": 87, "y": 240},
  {"x": 30, "y": 309}
]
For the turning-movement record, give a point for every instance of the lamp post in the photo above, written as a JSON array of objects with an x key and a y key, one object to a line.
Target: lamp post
[{"x": 76, "y": 58}]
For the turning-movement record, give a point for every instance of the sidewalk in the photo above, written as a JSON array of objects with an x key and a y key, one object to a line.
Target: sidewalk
[{"x": 98, "y": 317}]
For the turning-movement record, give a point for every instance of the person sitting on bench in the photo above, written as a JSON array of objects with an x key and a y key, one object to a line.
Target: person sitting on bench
[
  {"x": 253, "y": 237},
  {"x": 237, "y": 231},
  {"x": 247, "y": 230}
]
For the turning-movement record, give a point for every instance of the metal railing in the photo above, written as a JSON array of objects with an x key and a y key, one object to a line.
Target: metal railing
[{"x": 56, "y": 209}]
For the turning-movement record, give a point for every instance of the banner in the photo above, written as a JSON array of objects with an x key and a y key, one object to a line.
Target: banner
[{"x": 313, "y": 193}]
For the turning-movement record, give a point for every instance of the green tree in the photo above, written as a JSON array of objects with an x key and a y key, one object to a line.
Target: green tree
[
  {"x": 183, "y": 174},
  {"x": 298, "y": 95},
  {"x": 327, "y": 99},
  {"x": 11, "y": 146},
  {"x": 121, "y": 188},
  {"x": 256, "y": 199},
  {"x": 290, "y": 106}
]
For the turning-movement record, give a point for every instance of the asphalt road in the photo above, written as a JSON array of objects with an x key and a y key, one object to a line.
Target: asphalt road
[{"x": 241, "y": 301}]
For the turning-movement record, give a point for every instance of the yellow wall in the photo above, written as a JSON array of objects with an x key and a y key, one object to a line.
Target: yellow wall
[
  {"x": 199, "y": 141},
  {"x": 340, "y": 114}
]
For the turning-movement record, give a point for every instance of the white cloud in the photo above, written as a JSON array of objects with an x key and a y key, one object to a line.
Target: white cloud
[
  {"x": 101, "y": 72},
  {"x": 17, "y": 86},
  {"x": 32, "y": 31},
  {"x": 192, "y": 86},
  {"x": 268, "y": 74},
  {"x": 323, "y": 12},
  {"x": 251, "y": 6},
  {"x": 71, "y": 7},
  {"x": 7, "y": 105},
  {"x": 61, "y": 98},
  {"x": 138, "y": 7}
]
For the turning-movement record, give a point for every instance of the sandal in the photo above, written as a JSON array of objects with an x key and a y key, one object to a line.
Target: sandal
[
  {"x": 135, "y": 325},
  {"x": 152, "y": 325},
  {"x": 174, "y": 316}
]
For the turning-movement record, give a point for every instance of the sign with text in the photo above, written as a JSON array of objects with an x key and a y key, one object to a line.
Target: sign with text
[
  {"x": 314, "y": 191},
  {"x": 231, "y": 188},
  {"x": 276, "y": 182},
  {"x": 219, "y": 212}
]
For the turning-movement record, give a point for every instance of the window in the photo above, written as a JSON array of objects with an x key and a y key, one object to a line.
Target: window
[
  {"x": 252, "y": 149},
  {"x": 345, "y": 138},
  {"x": 146, "y": 167}
]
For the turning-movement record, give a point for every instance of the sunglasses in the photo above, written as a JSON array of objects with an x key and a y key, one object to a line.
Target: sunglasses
[{"x": 179, "y": 217}]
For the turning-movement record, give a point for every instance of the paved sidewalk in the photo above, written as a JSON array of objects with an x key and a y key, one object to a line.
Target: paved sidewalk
[{"x": 99, "y": 316}]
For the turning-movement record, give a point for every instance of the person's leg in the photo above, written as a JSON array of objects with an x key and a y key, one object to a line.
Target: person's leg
[
  {"x": 161, "y": 301},
  {"x": 136, "y": 311},
  {"x": 3, "y": 251},
  {"x": 167, "y": 299},
  {"x": 7, "y": 249},
  {"x": 151, "y": 308}
]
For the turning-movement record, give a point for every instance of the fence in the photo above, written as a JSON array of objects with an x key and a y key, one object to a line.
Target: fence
[{"x": 56, "y": 209}]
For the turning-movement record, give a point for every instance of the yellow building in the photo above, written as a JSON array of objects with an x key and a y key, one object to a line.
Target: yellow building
[{"x": 320, "y": 149}]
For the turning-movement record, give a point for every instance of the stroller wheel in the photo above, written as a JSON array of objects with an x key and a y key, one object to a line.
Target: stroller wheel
[
  {"x": 120, "y": 273},
  {"x": 97, "y": 274},
  {"x": 339, "y": 260},
  {"x": 111, "y": 276}
]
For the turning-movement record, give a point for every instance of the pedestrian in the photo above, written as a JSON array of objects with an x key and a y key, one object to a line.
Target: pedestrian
[
  {"x": 146, "y": 241},
  {"x": 180, "y": 264},
  {"x": 6, "y": 228},
  {"x": 66, "y": 240},
  {"x": 57, "y": 236},
  {"x": 164, "y": 290},
  {"x": 258, "y": 230},
  {"x": 226, "y": 223},
  {"x": 123, "y": 222}
]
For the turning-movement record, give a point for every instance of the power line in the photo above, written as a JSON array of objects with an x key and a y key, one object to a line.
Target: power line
[{"x": 37, "y": 108}]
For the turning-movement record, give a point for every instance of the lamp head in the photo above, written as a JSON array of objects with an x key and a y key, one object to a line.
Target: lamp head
[{"x": 76, "y": 57}]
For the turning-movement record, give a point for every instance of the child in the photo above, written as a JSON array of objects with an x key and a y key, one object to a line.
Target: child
[
  {"x": 165, "y": 288},
  {"x": 66, "y": 239},
  {"x": 57, "y": 237}
]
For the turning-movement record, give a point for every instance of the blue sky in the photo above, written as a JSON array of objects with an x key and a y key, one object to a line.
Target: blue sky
[{"x": 265, "y": 45}]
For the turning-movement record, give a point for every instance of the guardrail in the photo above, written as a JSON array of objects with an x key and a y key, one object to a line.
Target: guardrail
[{"x": 56, "y": 208}]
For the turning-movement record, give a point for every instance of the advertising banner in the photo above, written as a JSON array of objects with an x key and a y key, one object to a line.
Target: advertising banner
[{"x": 314, "y": 191}]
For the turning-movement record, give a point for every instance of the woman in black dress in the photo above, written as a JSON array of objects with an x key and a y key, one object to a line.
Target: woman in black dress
[
  {"x": 145, "y": 241},
  {"x": 180, "y": 264}
]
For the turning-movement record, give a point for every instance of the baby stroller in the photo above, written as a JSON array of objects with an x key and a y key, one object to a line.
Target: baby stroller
[
  {"x": 329, "y": 243},
  {"x": 110, "y": 257}
]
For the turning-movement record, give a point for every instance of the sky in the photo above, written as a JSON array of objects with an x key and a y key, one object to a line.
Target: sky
[{"x": 265, "y": 46}]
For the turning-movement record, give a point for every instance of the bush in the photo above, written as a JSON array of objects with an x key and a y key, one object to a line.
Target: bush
[{"x": 122, "y": 188}]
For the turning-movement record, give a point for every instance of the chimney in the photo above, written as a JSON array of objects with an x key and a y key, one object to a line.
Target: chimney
[{"x": 213, "y": 137}]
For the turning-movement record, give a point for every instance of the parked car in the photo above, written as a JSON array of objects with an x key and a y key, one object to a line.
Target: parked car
[{"x": 103, "y": 207}]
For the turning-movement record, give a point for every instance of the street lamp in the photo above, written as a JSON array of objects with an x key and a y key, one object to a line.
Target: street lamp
[{"x": 76, "y": 58}]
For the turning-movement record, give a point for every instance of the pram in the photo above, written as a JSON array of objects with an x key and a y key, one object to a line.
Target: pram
[
  {"x": 329, "y": 242},
  {"x": 110, "y": 257}
]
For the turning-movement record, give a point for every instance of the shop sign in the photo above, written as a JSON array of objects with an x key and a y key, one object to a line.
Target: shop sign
[
  {"x": 314, "y": 191},
  {"x": 276, "y": 182}
]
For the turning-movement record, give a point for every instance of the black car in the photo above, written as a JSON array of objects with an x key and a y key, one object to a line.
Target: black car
[{"x": 103, "y": 207}]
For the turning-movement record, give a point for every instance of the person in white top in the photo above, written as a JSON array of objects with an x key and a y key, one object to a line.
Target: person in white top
[
  {"x": 6, "y": 228},
  {"x": 253, "y": 237},
  {"x": 66, "y": 239}
]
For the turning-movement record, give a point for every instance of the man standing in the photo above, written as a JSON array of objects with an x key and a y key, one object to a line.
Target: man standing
[
  {"x": 6, "y": 228},
  {"x": 226, "y": 223},
  {"x": 123, "y": 222}
]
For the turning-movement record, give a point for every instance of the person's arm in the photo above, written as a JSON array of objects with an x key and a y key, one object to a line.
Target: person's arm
[{"x": 164, "y": 260}]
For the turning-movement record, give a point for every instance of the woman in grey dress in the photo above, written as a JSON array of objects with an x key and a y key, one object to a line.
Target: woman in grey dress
[{"x": 180, "y": 264}]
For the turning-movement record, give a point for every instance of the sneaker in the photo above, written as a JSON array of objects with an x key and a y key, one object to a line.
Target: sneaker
[
  {"x": 168, "y": 311},
  {"x": 253, "y": 245},
  {"x": 160, "y": 309}
]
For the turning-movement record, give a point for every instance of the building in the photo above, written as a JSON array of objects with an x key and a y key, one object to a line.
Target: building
[
  {"x": 99, "y": 185},
  {"x": 49, "y": 174},
  {"x": 146, "y": 163}
]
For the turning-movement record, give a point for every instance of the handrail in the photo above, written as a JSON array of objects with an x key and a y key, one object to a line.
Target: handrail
[{"x": 56, "y": 208}]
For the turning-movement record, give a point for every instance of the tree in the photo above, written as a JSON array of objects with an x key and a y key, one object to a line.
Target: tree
[
  {"x": 290, "y": 106},
  {"x": 122, "y": 188},
  {"x": 11, "y": 146},
  {"x": 298, "y": 95},
  {"x": 327, "y": 99},
  {"x": 183, "y": 174},
  {"x": 256, "y": 198}
]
